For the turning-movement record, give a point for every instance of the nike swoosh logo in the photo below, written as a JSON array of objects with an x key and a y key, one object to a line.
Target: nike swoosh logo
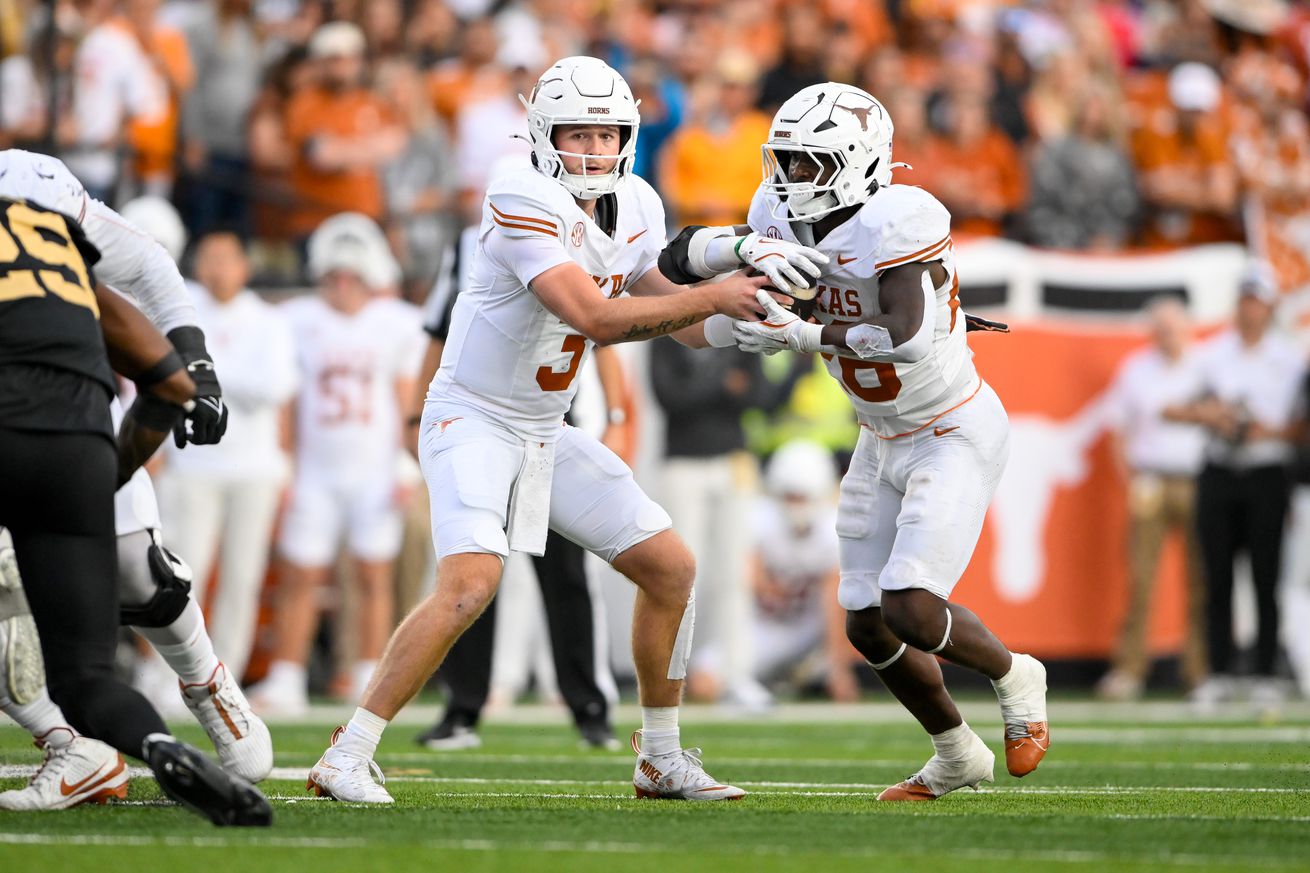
[
  {"x": 844, "y": 261},
  {"x": 65, "y": 789},
  {"x": 212, "y": 403},
  {"x": 636, "y": 236},
  {"x": 943, "y": 431}
]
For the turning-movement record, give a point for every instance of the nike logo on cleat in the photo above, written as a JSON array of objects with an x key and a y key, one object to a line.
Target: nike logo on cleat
[
  {"x": 648, "y": 770},
  {"x": 66, "y": 790}
]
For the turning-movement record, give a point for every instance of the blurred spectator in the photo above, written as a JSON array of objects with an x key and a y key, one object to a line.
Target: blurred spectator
[
  {"x": 270, "y": 163},
  {"x": 430, "y": 32},
  {"x": 802, "y": 62},
  {"x": 115, "y": 84},
  {"x": 219, "y": 502},
  {"x": 1084, "y": 191},
  {"x": 358, "y": 352},
  {"x": 1295, "y": 584},
  {"x": 26, "y": 80},
  {"x": 419, "y": 183},
  {"x": 974, "y": 170},
  {"x": 1250, "y": 377},
  {"x": 711, "y": 165},
  {"x": 340, "y": 134},
  {"x": 662, "y": 104},
  {"x": 490, "y": 129},
  {"x": 383, "y": 25},
  {"x": 795, "y": 574},
  {"x": 709, "y": 481},
  {"x": 227, "y": 51},
  {"x": 1160, "y": 459},
  {"x": 1187, "y": 179},
  {"x": 471, "y": 76},
  {"x": 154, "y": 139},
  {"x": 1271, "y": 150}
]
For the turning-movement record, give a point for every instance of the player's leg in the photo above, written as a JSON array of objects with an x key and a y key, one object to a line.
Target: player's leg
[
  {"x": 466, "y": 672},
  {"x": 580, "y": 665},
  {"x": 62, "y": 486},
  {"x": 596, "y": 503},
  {"x": 866, "y": 527},
  {"x": 948, "y": 482},
  {"x": 1267, "y": 493},
  {"x": 157, "y": 605},
  {"x": 1220, "y": 537},
  {"x": 1148, "y": 522},
  {"x": 311, "y": 530},
  {"x": 470, "y": 468},
  {"x": 376, "y": 527},
  {"x": 250, "y": 511}
]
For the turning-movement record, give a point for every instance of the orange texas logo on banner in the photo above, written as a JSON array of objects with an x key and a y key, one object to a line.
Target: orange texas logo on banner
[{"x": 1050, "y": 572}]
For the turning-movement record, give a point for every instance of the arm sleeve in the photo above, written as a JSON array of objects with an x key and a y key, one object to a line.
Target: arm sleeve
[
  {"x": 135, "y": 264},
  {"x": 522, "y": 237},
  {"x": 919, "y": 230}
]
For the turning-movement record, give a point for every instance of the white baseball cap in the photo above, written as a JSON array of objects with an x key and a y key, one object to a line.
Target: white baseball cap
[
  {"x": 1194, "y": 87},
  {"x": 337, "y": 39}
]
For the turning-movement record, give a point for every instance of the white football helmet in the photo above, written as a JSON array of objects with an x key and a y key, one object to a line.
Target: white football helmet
[
  {"x": 581, "y": 90},
  {"x": 846, "y": 132},
  {"x": 353, "y": 241},
  {"x": 157, "y": 217},
  {"x": 801, "y": 477}
]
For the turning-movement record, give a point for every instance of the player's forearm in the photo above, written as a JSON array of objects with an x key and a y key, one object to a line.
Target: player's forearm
[{"x": 625, "y": 319}]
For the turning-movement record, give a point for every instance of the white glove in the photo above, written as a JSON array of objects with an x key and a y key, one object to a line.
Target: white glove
[
  {"x": 779, "y": 330},
  {"x": 792, "y": 268}
]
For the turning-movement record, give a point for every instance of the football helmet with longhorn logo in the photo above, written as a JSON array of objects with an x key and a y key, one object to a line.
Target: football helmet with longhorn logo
[
  {"x": 581, "y": 90},
  {"x": 844, "y": 132}
]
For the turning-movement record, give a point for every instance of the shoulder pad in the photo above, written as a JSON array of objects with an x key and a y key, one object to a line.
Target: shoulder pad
[
  {"x": 906, "y": 224},
  {"x": 42, "y": 180},
  {"x": 525, "y": 203}
]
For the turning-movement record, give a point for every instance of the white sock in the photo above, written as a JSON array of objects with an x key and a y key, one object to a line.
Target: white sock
[
  {"x": 659, "y": 730},
  {"x": 951, "y": 744},
  {"x": 1008, "y": 685},
  {"x": 39, "y": 718},
  {"x": 362, "y": 734},
  {"x": 285, "y": 674},
  {"x": 185, "y": 645}
]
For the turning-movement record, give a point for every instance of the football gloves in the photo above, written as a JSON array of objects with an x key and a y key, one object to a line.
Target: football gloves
[
  {"x": 792, "y": 268},
  {"x": 206, "y": 421},
  {"x": 780, "y": 330}
]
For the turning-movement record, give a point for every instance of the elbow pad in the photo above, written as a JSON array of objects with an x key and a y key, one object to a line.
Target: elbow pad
[{"x": 683, "y": 261}]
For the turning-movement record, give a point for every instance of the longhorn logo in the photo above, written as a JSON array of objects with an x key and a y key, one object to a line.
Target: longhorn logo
[{"x": 861, "y": 113}]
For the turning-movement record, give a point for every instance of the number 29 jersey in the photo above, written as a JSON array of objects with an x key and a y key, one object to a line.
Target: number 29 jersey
[
  {"x": 507, "y": 355},
  {"x": 900, "y": 224}
]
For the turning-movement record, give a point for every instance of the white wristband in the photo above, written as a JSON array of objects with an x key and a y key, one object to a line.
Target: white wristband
[
  {"x": 707, "y": 263},
  {"x": 809, "y": 337},
  {"x": 718, "y": 331}
]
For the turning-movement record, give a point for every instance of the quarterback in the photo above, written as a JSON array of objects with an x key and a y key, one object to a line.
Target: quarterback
[
  {"x": 934, "y": 437},
  {"x": 565, "y": 260}
]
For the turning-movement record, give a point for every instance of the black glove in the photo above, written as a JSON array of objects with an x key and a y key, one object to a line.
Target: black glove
[
  {"x": 208, "y": 416},
  {"x": 974, "y": 322}
]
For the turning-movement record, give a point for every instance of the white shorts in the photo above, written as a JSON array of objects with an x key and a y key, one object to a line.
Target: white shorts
[
  {"x": 321, "y": 511},
  {"x": 916, "y": 524},
  {"x": 470, "y": 464}
]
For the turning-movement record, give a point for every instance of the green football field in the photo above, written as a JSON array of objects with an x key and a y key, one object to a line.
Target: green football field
[{"x": 1126, "y": 787}]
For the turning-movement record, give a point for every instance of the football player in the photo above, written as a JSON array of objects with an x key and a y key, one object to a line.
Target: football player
[
  {"x": 59, "y": 332},
  {"x": 153, "y": 583},
  {"x": 561, "y": 247},
  {"x": 934, "y": 437},
  {"x": 358, "y": 353}
]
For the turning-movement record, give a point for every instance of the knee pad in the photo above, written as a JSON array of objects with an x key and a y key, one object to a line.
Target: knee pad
[
  {"x": 681, "y": 653},
  {"x": 171, "y": 578}
]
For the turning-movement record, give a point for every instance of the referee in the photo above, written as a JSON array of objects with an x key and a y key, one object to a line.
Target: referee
[
  {"x": 60, "y": 470},
  {"x": 561, "y": 572}
]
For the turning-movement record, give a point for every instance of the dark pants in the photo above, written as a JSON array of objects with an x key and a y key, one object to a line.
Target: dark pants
[
  {"x": 1241, "y": 511},
  {"x": 562, "y": 575},
  {"x": 218, "y": 197},
  {"x": 58, "y": 503}
]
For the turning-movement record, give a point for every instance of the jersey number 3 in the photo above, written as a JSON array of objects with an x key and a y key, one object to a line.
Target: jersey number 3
[
  {"x": 51, "y": 263},
  {"x": 551, "y": 380}
]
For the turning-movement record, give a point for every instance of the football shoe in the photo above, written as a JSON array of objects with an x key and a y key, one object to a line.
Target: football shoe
[
  {"x": 343, "y": 776},
  {"x": 239, "y": 736},
  {"x": 203, "y": 787},
  {"x": 1027, "y": 735},
  {"x": 81, "y": 771},
  {"x": 677, "y": 775},
  {"x": 941, "y": 776}
]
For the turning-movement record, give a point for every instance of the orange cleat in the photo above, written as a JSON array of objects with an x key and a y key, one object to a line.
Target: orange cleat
[
  {"x": 911, "y": 789},
  {"x": 1024, "y": 751}
]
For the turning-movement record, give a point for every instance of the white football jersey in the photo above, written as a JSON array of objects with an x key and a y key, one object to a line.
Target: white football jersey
[
  {"x": 900, "y": 224},
  {"x": 797, "y": 562},
  {"x": 347, "y": 412},
  {"x": 507, "y": 354}
]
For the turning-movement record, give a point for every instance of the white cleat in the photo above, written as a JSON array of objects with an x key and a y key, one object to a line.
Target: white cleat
[
  {"x": 940, "y": 776},
  {"x": 343, "y": 776},
  {"x": 1027, "y": 734},
  {"x": 677, "y": 776},
  {"x": 239, "y": 736},
  {"x": 83, "y": 771}
]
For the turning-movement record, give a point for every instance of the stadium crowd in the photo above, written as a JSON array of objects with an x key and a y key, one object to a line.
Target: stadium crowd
[{"x": 1070, "y": 124}]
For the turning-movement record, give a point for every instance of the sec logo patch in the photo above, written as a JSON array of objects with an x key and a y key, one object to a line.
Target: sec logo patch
[
  {"x": 773, "y": 233},
  {"x": 576, "y": 236}
]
